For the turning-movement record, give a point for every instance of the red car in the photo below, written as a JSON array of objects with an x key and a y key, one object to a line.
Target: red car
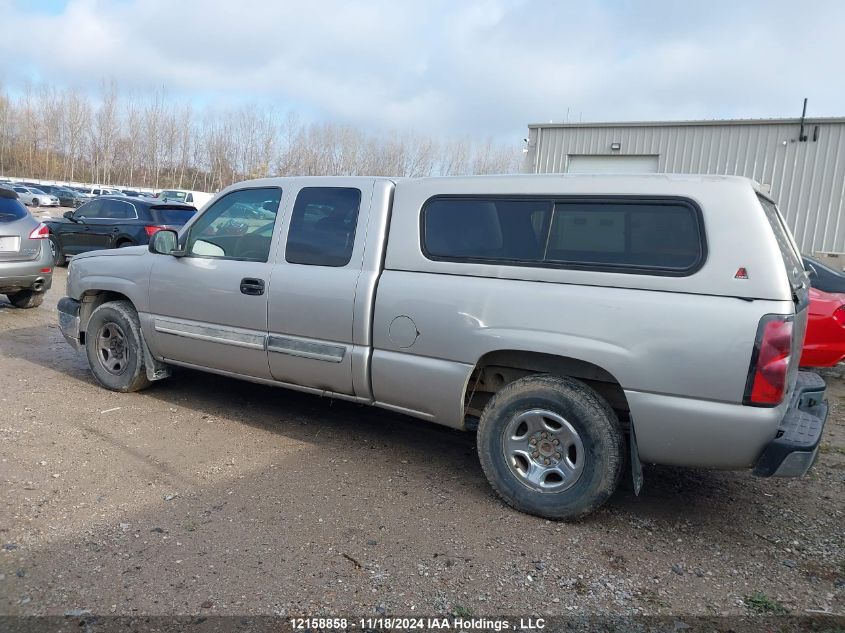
[{"x": 824, "y": 344}]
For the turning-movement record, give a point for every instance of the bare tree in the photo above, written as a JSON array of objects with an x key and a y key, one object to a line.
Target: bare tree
[{"x": 149, "y": 140}]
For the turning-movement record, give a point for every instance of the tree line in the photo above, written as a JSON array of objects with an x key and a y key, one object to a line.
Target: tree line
[{"x": 147, "y": 140}]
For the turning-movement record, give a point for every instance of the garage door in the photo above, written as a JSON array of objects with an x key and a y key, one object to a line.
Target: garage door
[{"x": 616, "y": 163}]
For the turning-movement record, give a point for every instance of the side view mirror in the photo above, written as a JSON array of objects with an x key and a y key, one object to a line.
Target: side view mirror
[
  {"x": 68, "y": 215},
  {"x": 811, "y": 271},
  {"x": 165, "y": 242}
]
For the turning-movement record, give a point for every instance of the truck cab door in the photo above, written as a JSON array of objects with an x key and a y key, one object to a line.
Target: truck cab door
[
  {"x": 208, "y": 308},
  {"x": 314, "y": 339}
]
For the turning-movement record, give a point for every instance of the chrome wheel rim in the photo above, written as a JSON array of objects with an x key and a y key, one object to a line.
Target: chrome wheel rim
[
  {"x": 543, "y": 451},
  {"x": 112, "y": 350}
]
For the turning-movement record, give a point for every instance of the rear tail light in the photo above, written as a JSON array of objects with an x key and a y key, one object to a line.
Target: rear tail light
[
  {"x": 152, "y": 230},
  {"x": 40, "y": 232},
  {"x": 839, "y": 315},
  {"x": 766, "y": 384}
]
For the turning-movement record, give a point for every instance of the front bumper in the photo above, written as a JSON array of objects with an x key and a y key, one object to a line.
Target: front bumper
[
  {"x": 795, "y": 447},
  {"x": 69, "y": 320}
]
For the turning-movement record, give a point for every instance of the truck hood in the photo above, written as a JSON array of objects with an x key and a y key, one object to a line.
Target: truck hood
[{"x": 132, "y": 251}]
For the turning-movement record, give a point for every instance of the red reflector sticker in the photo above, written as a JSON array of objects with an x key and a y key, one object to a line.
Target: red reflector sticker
[{"x": 741, "y": 274}]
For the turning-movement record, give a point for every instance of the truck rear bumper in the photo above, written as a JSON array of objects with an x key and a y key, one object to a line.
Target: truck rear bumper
[
  {"x": 69, "y": 320},
  {"x": 796, "y": 446}
]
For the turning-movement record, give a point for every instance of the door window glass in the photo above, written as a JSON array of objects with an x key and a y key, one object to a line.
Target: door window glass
[
  {"x": 119, "y": 210},
  {"x": 93, "y": 209},
  {"x": 238, "y": 226},
  {"x": 322, "y": 226}
]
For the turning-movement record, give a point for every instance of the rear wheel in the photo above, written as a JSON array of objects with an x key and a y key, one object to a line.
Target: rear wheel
[
  {"x": 125, "y": 244},
  {"x": 551, "y": 446},
  {"x": 26, "y": 298},
  {"x": 59, "y": 258},
  {"x": 114, "y": 349},
  {"x": 36, "y": 202}
]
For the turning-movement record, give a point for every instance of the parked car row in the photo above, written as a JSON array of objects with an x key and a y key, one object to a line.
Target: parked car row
[
  {"x": 34, "y": 197},
  {"x": 39, "y": 195}
]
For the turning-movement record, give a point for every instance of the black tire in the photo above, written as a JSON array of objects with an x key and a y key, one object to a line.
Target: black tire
[
  {"x": 125, "y": 244},
  {"x": 26, "y": 299},
  {"x": 36, "y": 202},
  {"x": 598, "y": 432},
  {"x": 59, "y": 258},
  {"x": 113, "y": 346}
]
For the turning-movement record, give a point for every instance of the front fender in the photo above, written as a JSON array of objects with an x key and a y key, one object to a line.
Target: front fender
[{"x": 125, "y": 271}]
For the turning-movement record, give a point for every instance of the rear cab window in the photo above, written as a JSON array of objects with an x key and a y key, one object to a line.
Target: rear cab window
[{"x": 636, "y": 235}]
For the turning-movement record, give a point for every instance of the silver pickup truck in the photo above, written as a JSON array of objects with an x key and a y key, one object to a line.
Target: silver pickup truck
[{"x": 577, "y": 322}]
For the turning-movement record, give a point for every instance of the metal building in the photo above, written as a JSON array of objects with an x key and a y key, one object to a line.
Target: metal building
[{"x": 800, "y": 161}]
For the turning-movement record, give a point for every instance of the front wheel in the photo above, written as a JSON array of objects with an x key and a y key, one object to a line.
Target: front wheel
[
  {"x": 114, "y": 349},
  {"x": 26, "y": 299},
  {"x": 551, "y": 446},
  {"x": 36, "y": 202}
]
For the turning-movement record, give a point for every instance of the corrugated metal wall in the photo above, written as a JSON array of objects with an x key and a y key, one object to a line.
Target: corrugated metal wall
[{"x": 806, "y": 178}]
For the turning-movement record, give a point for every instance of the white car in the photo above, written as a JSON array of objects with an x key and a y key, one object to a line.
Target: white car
[
  {"x": 35, "y": 197},
  {"x": 185, "y": 196},
  {"x": 93, "y": 192}
]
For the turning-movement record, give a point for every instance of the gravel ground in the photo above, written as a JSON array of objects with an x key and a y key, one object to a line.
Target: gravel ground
[{"x": 209, "y": 495}]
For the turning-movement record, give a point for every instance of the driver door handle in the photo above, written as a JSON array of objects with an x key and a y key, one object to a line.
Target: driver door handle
[{"x": 251, "y": 286}]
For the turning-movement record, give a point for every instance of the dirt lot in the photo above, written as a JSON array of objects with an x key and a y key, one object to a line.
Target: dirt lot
[{"x": 209, "y": 495}]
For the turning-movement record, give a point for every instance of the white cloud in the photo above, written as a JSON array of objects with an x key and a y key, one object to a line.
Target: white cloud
[{"x": 480, "y": 67}]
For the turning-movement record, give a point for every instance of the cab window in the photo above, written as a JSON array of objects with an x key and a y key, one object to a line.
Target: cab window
[
  {"x": 237, "y": 226},
  {"x": 322, "y": 226}
]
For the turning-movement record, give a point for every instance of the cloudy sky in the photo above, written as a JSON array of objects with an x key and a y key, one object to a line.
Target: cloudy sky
[{"x": 443, "y": 67}]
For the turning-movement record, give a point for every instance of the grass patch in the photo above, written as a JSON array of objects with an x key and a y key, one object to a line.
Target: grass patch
[
  {"x": 761, "y": 604},
  {"x": 461, "y": 611}
]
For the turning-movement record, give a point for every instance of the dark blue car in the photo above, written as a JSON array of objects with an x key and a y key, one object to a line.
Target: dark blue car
[{"x": 113, "y": 222}]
